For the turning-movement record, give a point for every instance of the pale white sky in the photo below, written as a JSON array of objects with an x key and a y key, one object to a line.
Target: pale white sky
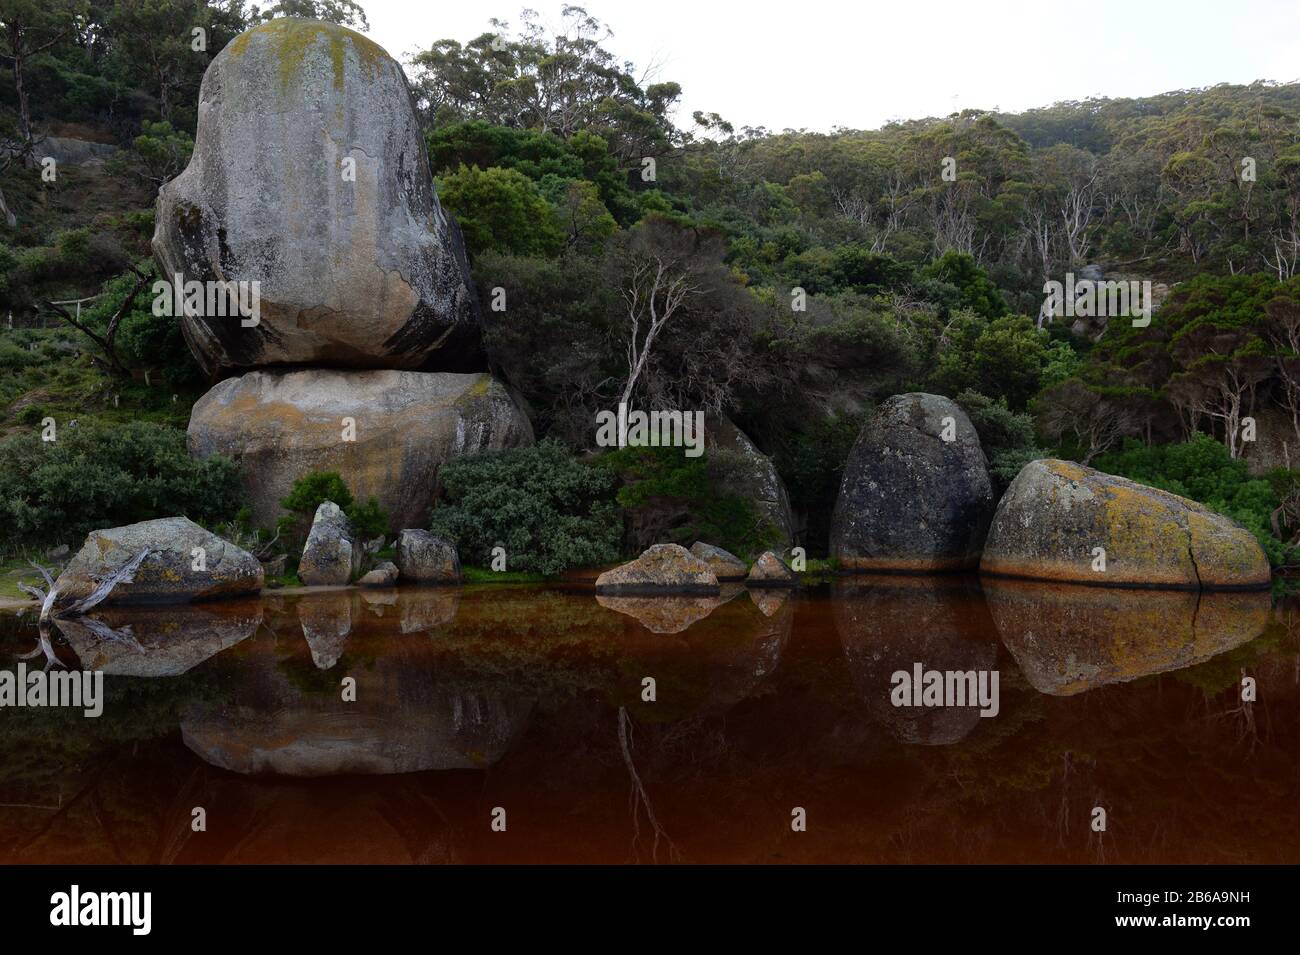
[{"x": 816, "y": 64}]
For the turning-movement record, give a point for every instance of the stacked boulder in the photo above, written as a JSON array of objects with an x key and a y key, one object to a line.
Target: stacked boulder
[{"x": 364, "y": 356}]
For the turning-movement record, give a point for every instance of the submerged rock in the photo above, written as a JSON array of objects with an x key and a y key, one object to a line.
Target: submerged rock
[
  {"x": 910, "y": 500},
  {"x": 724, "y": 564},
  {"x": 310, "y": 176},
  {"x": 185, "y": 563},
  {"x": 1068, "y": 639},
  {"x": 1056, "y": 514},
  {"x": 770, "y": 571},
  {"x": 661, "y": 569},
  {"x": 332, "y": 554},
  {"x": 385, "y": 432}
]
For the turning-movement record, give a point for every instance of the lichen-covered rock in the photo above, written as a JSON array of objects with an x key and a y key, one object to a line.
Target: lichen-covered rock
[
  {"x": 426, "y": 558},
  {"x": 383, "y": 575},
  {"x": 185, "y": 563},
  {"x": 663, "y": 568},
  {"x": 724, "y": 564},
  {"x": 310, "y": 176},
  {"x": 911, "y": 500},
  {"x": 332, "y": 554},
  {"x": 770, "y": 571},
  {"x": 1056, "y": 514},
  {"x": 748, "y": 472},
  {"x": 1067, "y": 639},
  {"x": 385, "y": 432}
]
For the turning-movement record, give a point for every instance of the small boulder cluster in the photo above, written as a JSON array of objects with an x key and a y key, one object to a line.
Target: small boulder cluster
[
  {"x": 334, "y": 556},
  {"x": 666, "y": 569}
]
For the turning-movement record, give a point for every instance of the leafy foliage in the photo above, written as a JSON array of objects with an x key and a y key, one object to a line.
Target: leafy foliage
[
  {"x": 54, "y": 492},
  {"x": 548, "y": 510},
  {"x": 667, "y": 496}
]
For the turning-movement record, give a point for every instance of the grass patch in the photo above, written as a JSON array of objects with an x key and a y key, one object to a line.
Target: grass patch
[
  {"x": 14, "y": 569},
  {"x": 478, "y": 575}
]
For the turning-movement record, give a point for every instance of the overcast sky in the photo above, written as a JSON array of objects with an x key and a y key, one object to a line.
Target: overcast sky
[{"x": 816, "y": 64}]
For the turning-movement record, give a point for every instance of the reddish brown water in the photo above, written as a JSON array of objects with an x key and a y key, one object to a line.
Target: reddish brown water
[{"x": 530, "y": 700}]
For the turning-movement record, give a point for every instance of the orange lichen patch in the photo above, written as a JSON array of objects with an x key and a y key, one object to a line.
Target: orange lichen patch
[
  {"x": 1224, "y": 558},
  {"x": 1066, "y": 469}
]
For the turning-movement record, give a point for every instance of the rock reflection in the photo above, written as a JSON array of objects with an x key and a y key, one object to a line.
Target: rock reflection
[
  {"x": 1068, "y": 639},
  {"x": 326, "y": 622},
  {"x": 701, "y": 667},
  {"x": 285, "y": 717},
  {"x": 422, "y": 609},
  {"x": 892, "y": 623},
  {"x": 669, "y": 613},
  {"x": 158, "y": 641}
]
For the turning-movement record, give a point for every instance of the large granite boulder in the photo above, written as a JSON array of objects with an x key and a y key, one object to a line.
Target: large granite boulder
[
  {"x": 278, "y": 426},
  {"x": 424, "y": 557},
  {"x": 332, "y": 554},
  {"x": 910, "y": 499},
  {"x": 748, "y": 472},
  {"x": 1055, "y": 515},
  {"x": 661, "y": 569},
  {"x": 185, "y": 563},
  {"x": 310, "y": 176}
]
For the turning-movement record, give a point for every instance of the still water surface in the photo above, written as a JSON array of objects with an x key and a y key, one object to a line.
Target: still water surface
[{"x": 530, "y": 699}]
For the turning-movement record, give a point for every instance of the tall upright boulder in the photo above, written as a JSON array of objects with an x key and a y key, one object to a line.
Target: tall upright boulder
[
  {"x": 916, "y": 494},
  {"x": 310, "y": 177}
]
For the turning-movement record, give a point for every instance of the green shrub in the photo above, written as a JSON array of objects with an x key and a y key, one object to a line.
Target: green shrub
[
  {"x": 56, "y": 492},
  {"x": 548, "y": 510},
  {"x": 315, "y": 488},
  {"x": 369, "y": 520},
  {"x": 1006, "y": 436},
  {"x": 811, "y": 464},
  {"x": 670, "y": 498}
]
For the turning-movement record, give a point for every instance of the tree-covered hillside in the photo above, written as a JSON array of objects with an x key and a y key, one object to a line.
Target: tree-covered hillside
[{"x": 810, "y": 275}]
